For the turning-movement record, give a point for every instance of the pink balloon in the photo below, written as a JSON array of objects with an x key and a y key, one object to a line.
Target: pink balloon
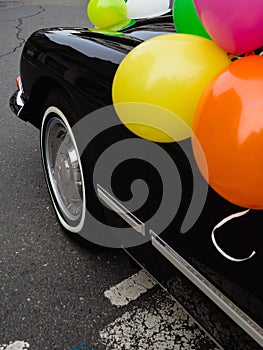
[{"x": 235, "y": 25}]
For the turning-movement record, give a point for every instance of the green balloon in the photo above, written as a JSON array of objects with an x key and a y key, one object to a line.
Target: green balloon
[
  {"x": 106, "y": 13},
  {"x": 186, "y": 19}
]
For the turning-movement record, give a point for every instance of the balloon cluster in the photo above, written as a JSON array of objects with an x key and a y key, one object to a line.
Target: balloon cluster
[
  {"x": 113, "y": 15},
  {"x": 210, "y": 75},
  {"x": 229, "y": 117}
]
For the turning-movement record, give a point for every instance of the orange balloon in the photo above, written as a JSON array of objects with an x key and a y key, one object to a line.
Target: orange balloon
[{"x": 229, "y": 126}]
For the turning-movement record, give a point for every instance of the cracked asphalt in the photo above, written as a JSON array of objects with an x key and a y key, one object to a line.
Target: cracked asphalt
[
  {"x": 18, "y": 29},
  {"x": 52, "y": 285}
]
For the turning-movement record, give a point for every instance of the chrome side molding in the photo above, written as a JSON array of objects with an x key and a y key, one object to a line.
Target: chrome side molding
[
  {"x": 252, "y": 328},
  {"x": 119, "y": 209},
  {"x": 19, "y": 99}
]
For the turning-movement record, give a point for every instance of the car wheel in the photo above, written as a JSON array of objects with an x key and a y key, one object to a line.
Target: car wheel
[{"x": 62, "y": 163}]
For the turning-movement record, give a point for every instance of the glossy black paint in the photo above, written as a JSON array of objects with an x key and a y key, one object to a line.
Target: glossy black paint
[
  {"x": 83, "y": 63},
  {"x": 240, "y": 282},
  {"x": 80, "y": 61}
]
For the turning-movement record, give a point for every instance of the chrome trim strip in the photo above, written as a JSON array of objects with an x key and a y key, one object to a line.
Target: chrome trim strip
[
  {"x": 246, "y": 323},
  {"x": 118, "y": 208},
  {"x": 19, "y": 101}
]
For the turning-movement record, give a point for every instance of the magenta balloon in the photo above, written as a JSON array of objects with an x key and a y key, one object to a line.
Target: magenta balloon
[{"x": 235, "y": 25}]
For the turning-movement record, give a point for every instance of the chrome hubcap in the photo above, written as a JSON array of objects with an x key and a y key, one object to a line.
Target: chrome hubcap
[{"x": 63, "y": 166}]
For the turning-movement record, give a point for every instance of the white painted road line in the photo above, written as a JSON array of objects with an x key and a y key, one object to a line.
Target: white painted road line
[
  {"x": 17, "y": 345},
  {"x": 160, "y": 325},
  {"x": 130, "y": 289}
]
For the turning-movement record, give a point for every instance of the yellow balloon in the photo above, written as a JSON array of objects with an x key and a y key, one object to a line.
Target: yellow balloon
[
  {"x": 152, "y": 122},
  {"x": 169, "y": 71}
]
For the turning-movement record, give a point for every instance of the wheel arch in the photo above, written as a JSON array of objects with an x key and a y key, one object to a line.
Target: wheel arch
[
  {"x": 53, "y": 105},
  {"x": 39, "y": 92}
]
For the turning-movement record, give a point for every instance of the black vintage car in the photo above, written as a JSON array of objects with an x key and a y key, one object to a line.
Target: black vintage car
[{"x": 64, "y": 90}]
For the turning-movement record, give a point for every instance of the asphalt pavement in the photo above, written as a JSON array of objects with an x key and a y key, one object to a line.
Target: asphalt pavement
[{"x": 53, "y": 286}]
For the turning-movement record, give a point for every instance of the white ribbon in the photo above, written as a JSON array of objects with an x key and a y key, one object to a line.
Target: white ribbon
[{"x": 221, "y": 223}]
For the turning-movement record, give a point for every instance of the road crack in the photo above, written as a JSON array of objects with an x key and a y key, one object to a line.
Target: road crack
[{"x": 18, "y": 28}]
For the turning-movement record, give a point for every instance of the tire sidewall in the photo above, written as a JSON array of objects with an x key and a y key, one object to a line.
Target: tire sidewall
[{"x": 59, "y": 107}]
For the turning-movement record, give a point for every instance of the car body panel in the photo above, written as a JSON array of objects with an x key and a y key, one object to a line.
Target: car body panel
[{"x": 83, "y": 63}]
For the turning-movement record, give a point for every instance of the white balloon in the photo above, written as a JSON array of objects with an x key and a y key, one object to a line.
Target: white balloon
[{"x": 137, "y": 9}]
